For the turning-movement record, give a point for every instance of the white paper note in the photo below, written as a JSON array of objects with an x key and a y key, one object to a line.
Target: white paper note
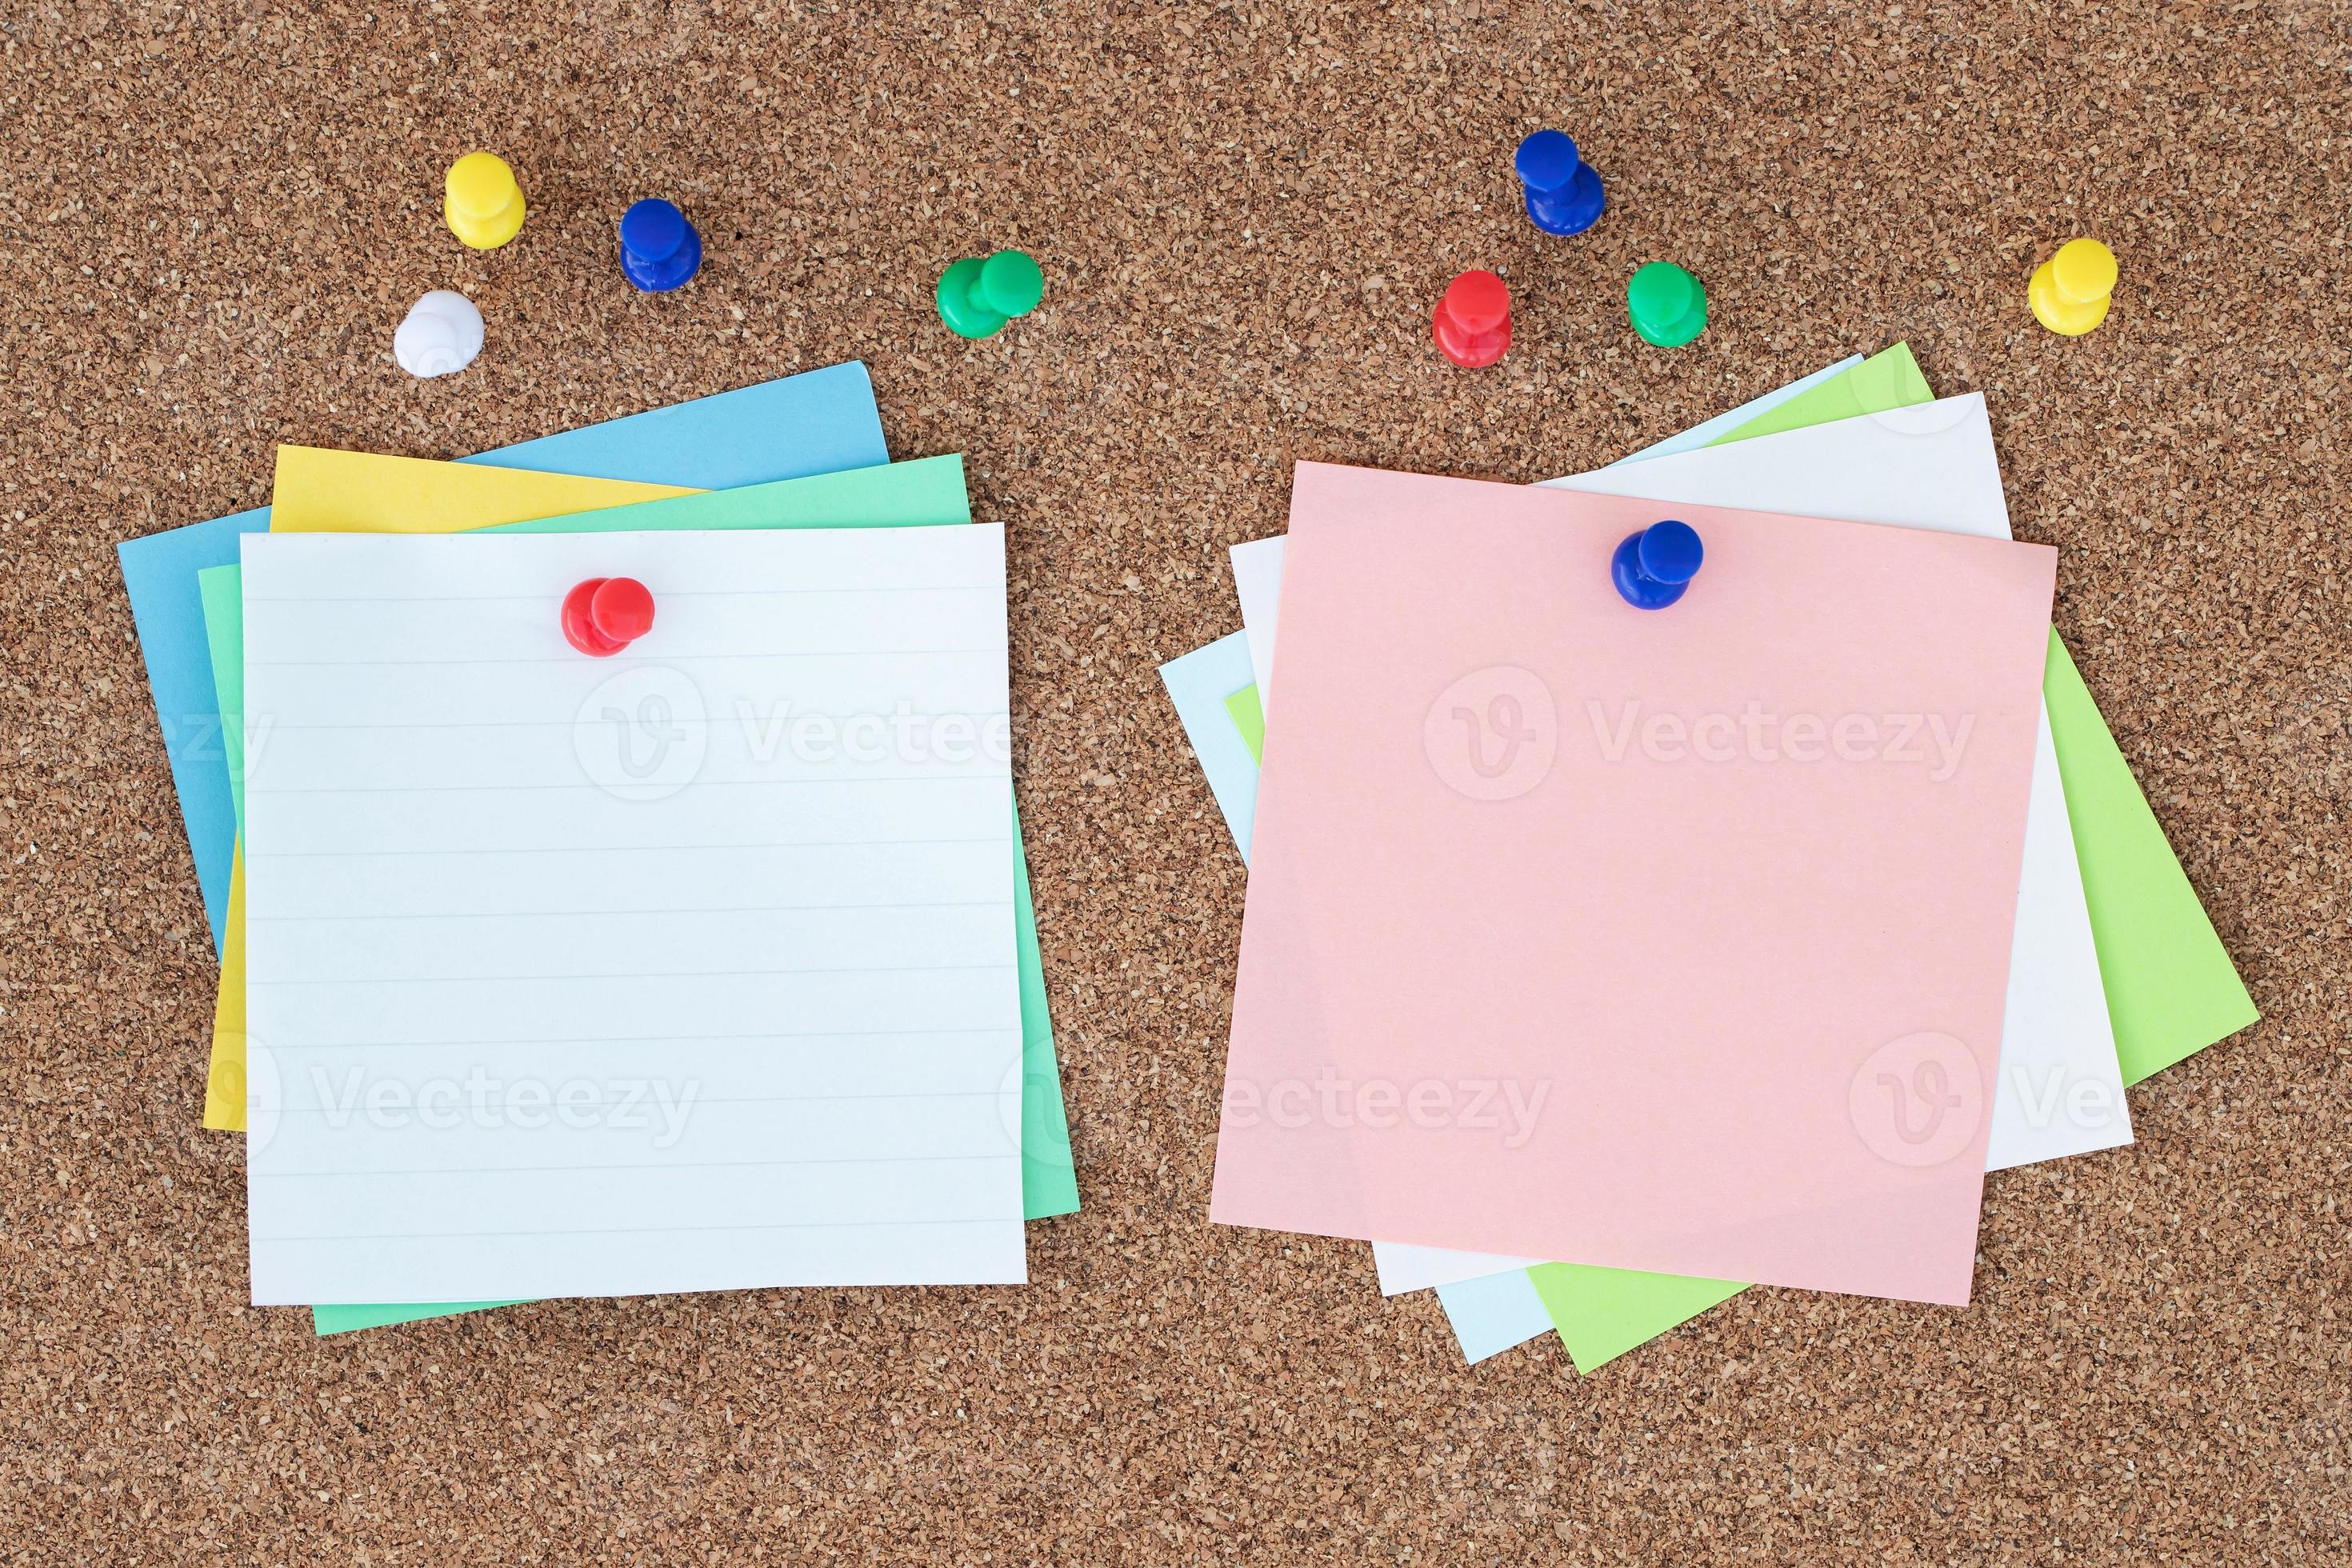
[
  {"x": 1257, "y": 584},
  {"x": 1405, "y": 1265},
  {"x": 688, "y": 969}
]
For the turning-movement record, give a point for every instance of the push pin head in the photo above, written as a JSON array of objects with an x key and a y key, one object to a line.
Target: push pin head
[
  {"x": 1655, "y": 567},
  {"x": 1564, "y": 195},
  {"x": 1473, "y": 323},
  {"x": 481, "y": 201},
  {"x": 659, "y": 249},
  {"x": 1666, "y": 304},
  {"x": 2070, "y": 292},
  {"x": 976, "y": 297},
  {"x": 606, "y": 615},
  {"x": 440, "y": 335}
]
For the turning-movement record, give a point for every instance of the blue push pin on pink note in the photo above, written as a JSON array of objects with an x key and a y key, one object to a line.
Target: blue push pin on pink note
[{"x": 1655, "y": 567}]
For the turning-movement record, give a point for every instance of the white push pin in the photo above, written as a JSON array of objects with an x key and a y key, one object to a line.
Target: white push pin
[{"x": 441, "y": 335}]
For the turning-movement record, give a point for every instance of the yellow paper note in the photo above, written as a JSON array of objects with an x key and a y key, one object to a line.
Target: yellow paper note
[
  {"x": 319, "y": 491},
  {"x": 224, "y": 1078}
]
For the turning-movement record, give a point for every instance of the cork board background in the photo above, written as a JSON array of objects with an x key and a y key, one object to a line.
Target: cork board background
[{"x": 211, "y": 218}]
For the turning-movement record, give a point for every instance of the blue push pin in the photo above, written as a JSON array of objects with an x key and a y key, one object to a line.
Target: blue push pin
[
  {"x": 1652, "y": 568},
  {"x": 1563, "y": 193},
  {"x": 659, "y": 249}
]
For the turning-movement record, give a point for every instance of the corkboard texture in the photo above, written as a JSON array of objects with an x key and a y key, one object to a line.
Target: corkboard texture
[{"x": 211, "y": 218}]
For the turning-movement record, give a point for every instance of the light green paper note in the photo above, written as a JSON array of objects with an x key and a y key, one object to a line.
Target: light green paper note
[
  {"x": 927, "y": 491},
  {"x": 2172, "y": 989},
  {"x": 1601, "y": 1313},
  {"x": 1887, "y": 380},
  {"x": 1249, "y": 717}
]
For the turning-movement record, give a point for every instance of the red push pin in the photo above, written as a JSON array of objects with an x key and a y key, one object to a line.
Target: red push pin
[
  {"x": 1473, "y": 320},
  {"x": 606, "y": 615}
]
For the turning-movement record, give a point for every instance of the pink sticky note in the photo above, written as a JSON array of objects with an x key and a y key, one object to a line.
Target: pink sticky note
[{"x": 1688, "y": 930}]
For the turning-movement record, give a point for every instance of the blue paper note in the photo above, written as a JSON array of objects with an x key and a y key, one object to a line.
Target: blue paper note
[
  {"x": 1492, "y": 1313},
  {"x": 1198, "y": 684},
  {"x": 814, "y": 422}
]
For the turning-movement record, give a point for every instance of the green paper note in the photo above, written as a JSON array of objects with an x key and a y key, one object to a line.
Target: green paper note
[
  {"x": 916, "y": 494},
  {"x": 1887, "y": 380},
  {"x": 1049, "y": 1176},
  {"x": 1601, "y": 1313},
  {"x": 343, "y": 1320},
  {"x": 219, "y": 589},
  {"x": 1249, "y": 717},
  {"x": 928, "y": 491},
  {"x": 2172, "y": 989}
]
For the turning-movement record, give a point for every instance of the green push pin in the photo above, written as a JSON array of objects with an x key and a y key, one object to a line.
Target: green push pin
[
  {"x": 977, "y": 298},
  {"x": 1668, "y": 307}
]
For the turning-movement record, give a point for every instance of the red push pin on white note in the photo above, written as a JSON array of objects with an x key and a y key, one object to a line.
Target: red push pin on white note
[{"x": 606, "y": 615}]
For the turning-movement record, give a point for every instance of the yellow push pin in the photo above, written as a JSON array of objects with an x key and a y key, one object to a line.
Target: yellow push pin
[
  {"x": 2069, "y": 292},
  {"x": 484, "y": 205}
]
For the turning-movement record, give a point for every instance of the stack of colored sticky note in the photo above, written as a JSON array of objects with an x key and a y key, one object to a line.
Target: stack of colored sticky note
[
  {"x": 708, "y": 965},
  {"x": 1602, "y": 961}
]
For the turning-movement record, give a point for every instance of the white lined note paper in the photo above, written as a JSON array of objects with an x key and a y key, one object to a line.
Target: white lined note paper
[{"x": 688, "y": 969}]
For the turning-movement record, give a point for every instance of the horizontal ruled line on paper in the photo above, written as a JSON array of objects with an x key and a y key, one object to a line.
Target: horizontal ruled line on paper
[
  {"x": 648, "y": 975},
  {"x": 252, "y": 854},
  {"x": 624, "y": 1039},
  {"x": 992, "y": 1155},
  {"x": 614, "y": 662},
  {"x": 636, "y": 1230},
  {"x": 674, "y": 721},
  {"x": 557, "y": 599},
  {"x": 255, "y": 787},
  {"x": 555, "y": 1111},
  {"x": 639, "y": 913}
]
